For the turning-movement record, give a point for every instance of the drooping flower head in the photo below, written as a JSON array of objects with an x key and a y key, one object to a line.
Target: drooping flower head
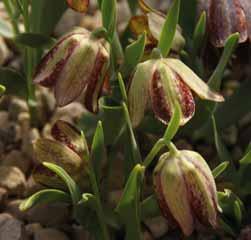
[
  {"x": 186, "y": 190},
  {"x": 159, "y": 84},
  {"x": 75, "y": 67},
  {"x": 225, "y": 18},
  {"x": 68, "y": 149}
]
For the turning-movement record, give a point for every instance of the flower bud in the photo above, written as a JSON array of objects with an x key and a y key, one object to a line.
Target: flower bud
[
  {"x": 186, "y": 191},
  {"x": 69, "y": 150},
  {"x": 160, "y": 84},
  {"x": 75, "y": 66},
  {"x": 225, "y": 18}
]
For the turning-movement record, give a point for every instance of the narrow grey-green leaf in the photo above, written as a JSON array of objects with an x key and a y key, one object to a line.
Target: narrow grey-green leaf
[
  {"x": 246, "y": 159},
  {"x": 44, "y": 197},
  {"x": 150, "y": 208},
  {"x": 237, "y": 212},
  {"x": 34, "y": 40},
  {"x": 122, "y": 88},
  {"x": 216, "y": 78},
  {"x": 128, "y": 207},
  {"x": 13, "y": 81},
  {"x": 169, "y": 28},
  {"x": 98, "y": 151},
  {"x": 199, "y": 34},
  {"x": 70, "y": 183},
  {"x": 45, "y": 15},
  {"x": 133, "y": 143},
  {"x": 134, "y": 53},
  {"x": 220, "y": 169},
  {"x": 109, "y": 16}
]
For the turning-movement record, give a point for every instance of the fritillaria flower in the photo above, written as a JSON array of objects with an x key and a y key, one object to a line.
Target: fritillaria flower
[
  {"x": 186, "y": 190},
  {"x": 225, "y": 17},
  {"x": 68, "y": 150},
  {"x": 159, "y": 84},
  {"x": 75, "y": 66},
  {"x": 152, "y": 22}
]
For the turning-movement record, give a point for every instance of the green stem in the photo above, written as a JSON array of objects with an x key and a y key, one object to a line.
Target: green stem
[
  {"x": 155, "y": 150},
  {"x": 117, "y": 49},
  {"x": 14, "y": 24},
  {"x": 100, "y": 213},
  {"x": 172, "y": 148},
  {"x": 29, "y": 63},
  {"x": 135, "y": 151}
]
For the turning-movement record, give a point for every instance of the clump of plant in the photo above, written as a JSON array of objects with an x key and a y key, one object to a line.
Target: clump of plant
[{"x": 155, "y": 74}]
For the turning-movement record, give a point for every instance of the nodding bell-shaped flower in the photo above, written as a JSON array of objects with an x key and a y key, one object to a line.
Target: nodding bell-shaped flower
[
  {"x": 161, "y": 83},
  {"x": 186, "y": 191},
  {"x": 75, "y": 67},
  {"x": 225, "y": 17},
  {"x": 68, "y": 149}
]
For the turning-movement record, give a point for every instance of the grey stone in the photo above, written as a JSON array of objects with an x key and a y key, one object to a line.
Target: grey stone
[
  {"x": 17, "y": 159},
  {"x": 11, "y": 228},
  {"x": 16, "y": 107},
  {"x": 50, "y": 234},
  {"x": 13, "y": 179},
  {"x": 32, "y": 228},
  {"x": 49, "y": 214},
  {"x": 12, "y": 207},
  {"x": 3, "y": 197},
  {"x": 158, "y": 226}
]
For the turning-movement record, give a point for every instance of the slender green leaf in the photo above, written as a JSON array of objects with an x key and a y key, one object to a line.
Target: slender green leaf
[
  {"x": 199, "y": 34},
  {"x": 237, "y": 212},
  {"x": 122, "y": 88},
  {"x": 134, "y": 53},
  {"x": 133, "y": 4},
  {"x": 44, "y": 197},
  {"x": 247, "y": 158},
  {"x": 128, "y": 207},
  {"x": 13, "y": 81},
  {"x": 5, "y": 29},
  {"x": 226, "y": 227},
  {"x": 222, "y": 151},
  {"x": 34, "y": 40},
  {"x": 205, "y": 109},
  {"x": 2, "y": 90},
  {"x": 169, "y": 28},
  {"x": 133, "y": 143},
  {"x": 70, "y": 183},
  {"x": 85, "y": 214},
  {"x": 45, "y": 14},
  {"x": 109, "y": 16},
  {"x": 173, "y": 125},
  {"x": 220, "y": 169},
  {"x": 98, "y": 151},
  {"x": 150, "y": 208},
  {"x": 216, "y": 78}
]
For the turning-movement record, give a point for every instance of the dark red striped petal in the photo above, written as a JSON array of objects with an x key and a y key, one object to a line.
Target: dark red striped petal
[
  {"x": 246, "y": 4},
  {"x": 95, "y": 83},
  {"x": 159, "y": 102},
  {"x": 186, "y": 98},
  {"x": 70, "y": 136},
  {"x": 49, "y": 79},
  {"x": 162, "y": 202}
]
